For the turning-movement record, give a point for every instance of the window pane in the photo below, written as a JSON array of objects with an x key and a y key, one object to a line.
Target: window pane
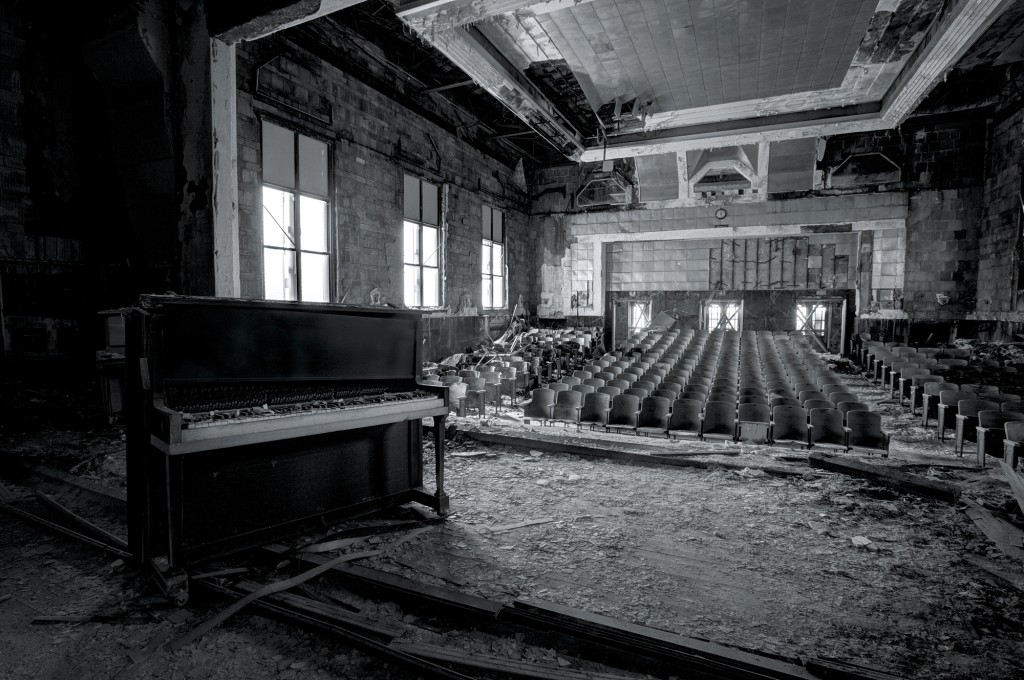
[
  {"x": 498, "y": 294},
  {"x": 316, "y": 278},
  {"x": 429, "y": 246},
  {"x": 313, "y": 222},
  {"x": 278, "y": 228},
  {"x": 312, "y": 166},
  {"x": 411, "y": 243},
  {"x": 278, "y": 274},
  {"x": 412, "y": 286},
  {"x": 431, "y": 295},
  {"x": 499, "y": 259},
  {"x": 412, "y": 198},
  {"x": 485, "y": 258},
  {"x": 499, "y": 227},
  {"x": 278, "y": 155},
  {"x": 431, "y": 211},
  {"x": 485, "y": 292},
  {"x": 486, "y": 221}
]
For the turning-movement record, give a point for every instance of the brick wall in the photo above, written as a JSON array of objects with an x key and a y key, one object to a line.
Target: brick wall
[
  {"x": 999, "y": 226},
  {"x": 375, "y": 143}
]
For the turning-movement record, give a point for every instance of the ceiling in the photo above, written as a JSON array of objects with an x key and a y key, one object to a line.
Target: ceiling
[{"x": 693, "y": 74}]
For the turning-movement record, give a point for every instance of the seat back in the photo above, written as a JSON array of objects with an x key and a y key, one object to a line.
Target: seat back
[
  {"x": 666, "y": 394},
  {"x": 840, "y": 397},
  {"x": 971, "y": 407},
  {"x": 558, "y": 386},
  {"x": 827, "y": 426},
  {"x": 753, "y": 399},
  {"x": 817, "y": 403},
  {"x": 719, "y": 418},
  {"x": 933, "y": 388},
  {"x": 865, "y": 430},
  {"x": 1015, "y": 431},
  {"x": 594, "y": 382},
  {"x": 567, "y": 404},
  {"x": 624, "y": 410},
  {"x": 654, "y": 413},
  {"x": 754, "y": 413},
  {"x": 953, "y": 397},
  {"x": 789, "y": 423},
  {"x": 572, "y": 381},
  {"x": 685, "y": 416},
  {"x": 609, "y": 390},
  {"x": 998, "y": 419},
  {"x": 595, "y": 408},
  {"x": 1013, "y": 406},
  {"x": 637, "y": 392},
  {"x": 541, "y": 401},
  {"x": 783, "y": 401},
  {"x": 846, "y": 406},
  {"x": 584, "y": 389}
]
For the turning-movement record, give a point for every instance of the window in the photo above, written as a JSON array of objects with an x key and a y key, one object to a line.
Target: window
[
  {"x": 810, "y": 316},
  {"x": 724, "y": 316},
  {"x": 639, "y": 316},
  {"x": 422, "y": 243},
  {"x": 296, "y": 233},
  {"x": 493, "y": 264}
]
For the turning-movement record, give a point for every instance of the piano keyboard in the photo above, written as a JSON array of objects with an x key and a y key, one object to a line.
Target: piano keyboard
[{"x": 223, "y": 429}]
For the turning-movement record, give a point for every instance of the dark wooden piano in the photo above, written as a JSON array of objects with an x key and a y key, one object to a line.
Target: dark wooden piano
[{"x": 247, "y": 420}]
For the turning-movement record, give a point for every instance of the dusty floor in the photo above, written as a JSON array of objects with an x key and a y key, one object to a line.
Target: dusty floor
[{"x": 737, "y": 556}]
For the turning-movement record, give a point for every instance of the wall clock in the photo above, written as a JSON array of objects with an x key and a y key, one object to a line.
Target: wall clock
[{"x": 721, "y": 214}]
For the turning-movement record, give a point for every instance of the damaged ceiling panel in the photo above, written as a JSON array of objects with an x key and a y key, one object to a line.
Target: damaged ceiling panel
[
  {"x": 791, "y": 165},
  {"x": 658, "y": 176},
  {"x": 704, "y": 73}
]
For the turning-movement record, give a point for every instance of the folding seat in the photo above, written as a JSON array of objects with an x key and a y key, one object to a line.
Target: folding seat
[
  {"x": 582, "y": 375},
  {"x": 654, "y": 414},
  {"x": 685, "y": 418},
  {"x": 674, "y": 387},
  {"x": 593, "y": 369},
  {"x": 632, "y": 370},
  {"x": 916, "y": 389},
  {"x": 1012, "y": 406},
  {"x": 645, "y": 385},
  {"x": 621, "y": 384},
  {"x": 977, "y": 388},
  {"x": 1003, "y": 397},
  {"x": 1013, "y": 444},
  {"x": 604, "y": 375},
  {"x": 719, "y": 420},
  {"x": 753, "y": 423},
  {"x": 751, "y": 392},
  {"x": 839, "y": 397},
  {"x": 811, "y": 394},
  {"x": 572, "y": 380},
  {"x": 817, "y": 403},
  {"x": 696, "y": 381},
  {"x": 567, "y": 407},
  {"x": 783, "y": 401},
  {"x": 752, "y": 399},
  {"x": 845, "y": 407},
  {"x": 826, "y": 429},
  {"x": 789, "y": 425},
  {"x": 930, "y": 399},
  {"x": 609, "y": 390},
  {"x": 583, "y": 389},
  {"x": 623, "y": 414},
  {"x": 595, "y": 410},
  {"x": 901, "y": 384},
  {"x": 833, "y": 387},
  {"x": 947, "y": 407},
  {"x": 864, "y": 432},
  {"x": 694, "y": 394},
  {"x": 628, "y": 377},
  {"x": 967, "y": 420},
  {"x": 652, "y": 378},
  {"x": 991, "y": 432},
  {"x": 613, "y": 369},
  {"x": 539, "y": 407}
]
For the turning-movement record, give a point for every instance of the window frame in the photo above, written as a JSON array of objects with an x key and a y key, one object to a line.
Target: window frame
[
  {"x": 812, "y": 309},
  {"x": 487, "y": 230},
  {"x": 644, "y": 314},
  {"x": 723, "y": 307},
  {"x": 297, "y": 195},
  {"x": 420, "y": 224}
]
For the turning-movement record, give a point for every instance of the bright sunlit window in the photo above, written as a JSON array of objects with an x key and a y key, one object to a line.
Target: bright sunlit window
[
  {"x": 493, "y": 258},
  {"x": 639, "y": 316},
  {"x": 296, "y": 225},
  {"x": 724, "y": 316},
  {"x": 422, "y": 243},
  {"x": 810, "y": 316}
]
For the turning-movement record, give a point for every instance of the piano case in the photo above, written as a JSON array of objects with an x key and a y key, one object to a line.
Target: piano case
[{"x": 247, "y": 420}]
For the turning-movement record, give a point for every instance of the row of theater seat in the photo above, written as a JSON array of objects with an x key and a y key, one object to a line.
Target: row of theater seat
[
  {"x": 722, "y": 385},
  {"x": 977, "y": 412}
]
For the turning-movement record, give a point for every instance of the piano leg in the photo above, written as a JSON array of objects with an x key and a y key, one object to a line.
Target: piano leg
[{"x": 440, "y": 496}]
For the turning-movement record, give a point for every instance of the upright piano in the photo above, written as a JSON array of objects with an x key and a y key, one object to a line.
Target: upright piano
[{"x": 248, "y": 420}]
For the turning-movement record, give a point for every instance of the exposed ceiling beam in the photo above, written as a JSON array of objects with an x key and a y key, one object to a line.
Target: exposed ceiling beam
[
  {"x": 280, "y": 18},
  {"x": 470, "y": 52},
  {"x": 449, "y": 86},
  {"x": 962, "y": 25},
  {"x": 447, "y": 14}
]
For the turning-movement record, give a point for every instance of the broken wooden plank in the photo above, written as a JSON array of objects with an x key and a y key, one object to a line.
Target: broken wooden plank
[
  {"x": 82, "y": 523},
  {"x": 1008, "y": 538},
  {"x": 269, "y": 589},
  {"x": 363, "y": 643},
  {"x": 429, "y": 570},
  {"x": 1016, "y": 482},
  {"x": 492, "y": 664},
  {"x": 399, "y": 586},
  {"x": 330, "y": 612},
  {"x": 53, "y": 526},
  {"x": 518, "y": 525},
  {"x": 532, "y": 443},
  {"x": 831, "y": 669},
  {"x": 699, "y": 656},
  {"x": 887, "y": 476},
  {"x": 87, "y": 484},
  {"x": 1014, "y": 580}
]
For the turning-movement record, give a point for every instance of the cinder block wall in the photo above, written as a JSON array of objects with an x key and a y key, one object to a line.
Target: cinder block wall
[
  {"x": 999, "y": 226},
  {"x": 375, "y": 142}
]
